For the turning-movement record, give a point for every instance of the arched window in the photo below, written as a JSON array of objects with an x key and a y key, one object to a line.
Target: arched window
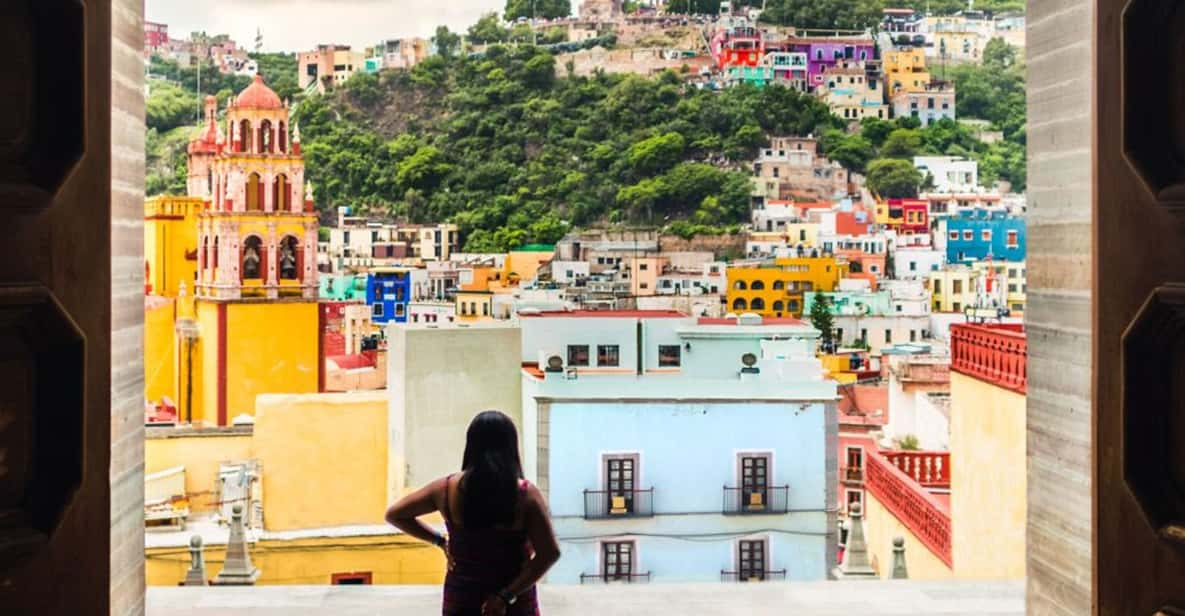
[
  {"x": 254, "y": 193},
  {"x": 740, "y": 285},
  {"x": 779, "y": 306},
  {"x": 739, "y": 304},
  {"x": 204, "y": 256},
  {"x": 266, "y": 142},
  {"x": 210, "y": 180},
  {"x": 757, "y": 304},
  {"x": 253, "y": 264},
  {"x": 289, "y": 258},
  {"x": 215, "y": 253},
  {"x": 779, "y": 285},
  {"x": 282, "y": 138},
  {"x": 281, "y": 193},
  {"x": 757, "y": 285},
  {"x": 245, "y": 135}
]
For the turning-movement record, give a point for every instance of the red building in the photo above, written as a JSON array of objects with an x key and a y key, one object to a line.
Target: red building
[
  {"x": 155, "y": 36},
  {"x": 738, "y": 45},
  {"x": 915, "y": 214}
]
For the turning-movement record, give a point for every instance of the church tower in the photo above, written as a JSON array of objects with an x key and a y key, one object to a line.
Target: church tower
[
  {"x": 258, "y": 235},
  {"x": 202, "y": 152}
]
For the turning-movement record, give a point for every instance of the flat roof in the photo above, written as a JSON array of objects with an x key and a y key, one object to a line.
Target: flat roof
[
  {"x": 764, "y": 321},
  {"x": 609, "y": 314}
]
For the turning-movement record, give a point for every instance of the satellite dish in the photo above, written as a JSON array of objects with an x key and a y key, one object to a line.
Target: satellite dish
[
  {"x": 555, "y": 363},
  {"x": 749, "y": 360}
]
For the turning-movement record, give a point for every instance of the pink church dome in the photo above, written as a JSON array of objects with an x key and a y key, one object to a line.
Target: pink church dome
[{"x": 258, "y": 96}]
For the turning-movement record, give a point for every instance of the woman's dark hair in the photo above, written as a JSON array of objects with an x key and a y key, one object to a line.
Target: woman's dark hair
[{"x": 493, "y": 471}]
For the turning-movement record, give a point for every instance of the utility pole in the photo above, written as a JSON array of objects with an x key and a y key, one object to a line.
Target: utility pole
[{"x": 199, "y": 90}]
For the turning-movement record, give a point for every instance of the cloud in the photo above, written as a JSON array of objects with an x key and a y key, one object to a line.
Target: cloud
[{"x": 293, "y": 25}]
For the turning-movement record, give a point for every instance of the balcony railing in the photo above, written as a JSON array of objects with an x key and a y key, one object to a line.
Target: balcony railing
[
  {"x": 919, "y": 511},
  {"x": 605, "y": 504},
  {"x": 750, "y": 501},
  {"x": 753, "y": 576},
  {"x": 992, "y": 353},
  {"x": 930, "y": 469},
  {"x": 625, "y": 578},
  {"x": 852, "y": 474}
]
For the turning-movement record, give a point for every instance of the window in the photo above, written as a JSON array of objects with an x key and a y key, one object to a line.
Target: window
[
  {"x": 913, "y": 335},
  {"x": 617, "y": 560},
  {"x": 670, "y": 355},
  {"x": 620, "y": 483},
  {"x": 358, "y": 578},
  {"x": 608, "y": 355},
  {"x": 913, "y": 266},
  {"x": 757, "y": 285},
  {"x": 485, "y": 310},
  {"x": 1013, "y": 241},
  {"x": 776, "y": 171},
  {"x": 793, "y": 305},
  {"x": 967, "y": 235},
  {"x": 252, "y": 258},
  {"x": 740, "y": 285},
  {"x": 289, "y": 253},
  {"x": 779, "y": 306},
  {"x": 754, "y": 480},
  {"x": 954, "y": 236},
  {"x": 938, "y": 286},
  {"x": 898, "y": 307},
  {"x": 779, "y": 285},
  {"x": 739, "y": 304},
  {"x": 751, "y": 560},
  {"x": 399, "y": 310},
  {"x": 986, "y": 235},
  {"x": 376, "y": 310},
  {"x": 643, "y": 266},
  {"x": 864, "y": 334},
  {"x": 855, "y": 458},
  {"x": 854, "y": 497},
  {"x": 888, "y": 336},
  {"x": 1012, "y": 288},
  {"x": 956, "y": 286},
  {"x": 577, "y": 354},
  {"x": 757, "y": 304},
  {"x": 839, "y": 334},
  {"x": 957, "y": 307}
]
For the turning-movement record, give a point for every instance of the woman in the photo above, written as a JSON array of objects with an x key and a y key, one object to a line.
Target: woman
[{"x": 500, "y": 541}]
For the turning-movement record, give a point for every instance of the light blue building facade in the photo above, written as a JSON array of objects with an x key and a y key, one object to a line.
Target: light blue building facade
[
  {"x": 715, "y": 462},
  {"x": 973, "y": 235}
]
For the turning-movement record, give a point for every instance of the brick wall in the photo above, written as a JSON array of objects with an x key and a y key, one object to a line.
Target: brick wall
[
  {"x": 127, "y": 308},
  {"x": 1058, "y": 319}
]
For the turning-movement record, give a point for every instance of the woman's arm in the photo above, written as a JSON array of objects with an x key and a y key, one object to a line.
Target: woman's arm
[
  {"x": 543, "y": 541},
  {"x": 405, "y": 513}
]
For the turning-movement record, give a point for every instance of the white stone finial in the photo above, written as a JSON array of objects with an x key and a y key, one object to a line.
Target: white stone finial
[{"x": 295, "y": 132}]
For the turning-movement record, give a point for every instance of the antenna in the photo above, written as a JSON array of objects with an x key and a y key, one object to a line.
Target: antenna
[{"x": 258, "y": 40}]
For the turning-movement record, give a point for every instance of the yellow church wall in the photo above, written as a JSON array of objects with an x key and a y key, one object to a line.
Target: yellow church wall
[
  {"x": 390, "y": 559},
  {"x": 988, "y": 482},
  {"x": 324, "y": 459},
  {"x": 271, "y": 348},
  {"x": 160, "y": 360},
  {"x": 880, "y": 527},
  {"x": 200, "y": 453},
  {"x": 170, "y": 232},
  {"x": 205, "y": 379}
]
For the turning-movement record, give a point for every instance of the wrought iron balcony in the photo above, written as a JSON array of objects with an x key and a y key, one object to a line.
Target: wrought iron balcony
[
  {"x": 606, "y": 504},
  {"x": 852, "y": 474},
  {"x": 756, "y": 501},
  {"x": 753, "y": 576},
  {"x": 625, "y": 578}
]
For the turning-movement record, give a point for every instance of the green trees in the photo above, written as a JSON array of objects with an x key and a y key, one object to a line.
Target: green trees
[
  {"x": 447, "y": 42},
  {"x": 168, "y": 106},
  {"x": 823, "y": 320},
  {"x": 488, "y": 30},
  {"x": 695, "y": 7},
  {"x": 842, "y": 14},
  {"x": 543, "y": 9},
  {"x": 894, "y": 178},
  {"x": 279, "y": 69}
]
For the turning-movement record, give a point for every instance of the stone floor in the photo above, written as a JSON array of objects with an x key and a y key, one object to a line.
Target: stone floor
[{"x": 873, "y": 598}]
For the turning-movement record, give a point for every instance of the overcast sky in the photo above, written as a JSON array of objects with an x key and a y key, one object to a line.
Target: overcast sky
[{"x": 295, "y": 25}]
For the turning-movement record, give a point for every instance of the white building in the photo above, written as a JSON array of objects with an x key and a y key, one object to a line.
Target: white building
[{"x": 950, "y": 174}]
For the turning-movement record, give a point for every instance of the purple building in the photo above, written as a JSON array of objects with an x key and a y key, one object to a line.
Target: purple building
[{"x": 824, "y": 52}]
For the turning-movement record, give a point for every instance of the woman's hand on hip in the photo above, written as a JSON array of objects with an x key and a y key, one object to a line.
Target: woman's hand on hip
[{"x": 493, "y": 606}]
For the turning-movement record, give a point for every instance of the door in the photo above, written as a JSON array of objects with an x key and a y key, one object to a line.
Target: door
[
  {"x": 62, "y": 408},
  {"x": 619, "y": 484},
  {"x": 1139, "y": 243},
  {"x": 855, "y": 468},
  {"x": 754, "y": 482},
  {"x": 618, "y": 559},
  {"x": 751, "y": 559}
]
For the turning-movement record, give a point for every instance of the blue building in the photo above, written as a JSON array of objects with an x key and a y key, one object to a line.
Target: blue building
[
  {"x": 388, "y": 291},
  {"x": 972, "y": 236},
  {"x": 676, "y": 449}
]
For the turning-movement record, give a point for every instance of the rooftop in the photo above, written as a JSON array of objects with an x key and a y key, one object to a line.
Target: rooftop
[
  {"x": 867, "y": 598},
  {"x": 608, "y": 314}
]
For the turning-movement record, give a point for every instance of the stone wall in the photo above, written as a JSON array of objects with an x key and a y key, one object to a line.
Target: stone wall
[
  {"x": 716, "y": 244},
  {"x": 1058, "y": 319}
]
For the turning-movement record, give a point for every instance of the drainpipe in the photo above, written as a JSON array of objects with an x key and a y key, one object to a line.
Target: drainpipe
[{"x": 640, "y": 357}]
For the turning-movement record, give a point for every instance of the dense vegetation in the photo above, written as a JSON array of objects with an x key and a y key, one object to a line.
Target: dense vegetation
[{"x": 515, "y": 154}]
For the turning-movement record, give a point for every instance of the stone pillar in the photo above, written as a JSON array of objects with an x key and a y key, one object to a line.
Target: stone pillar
[
  {"x": 269, "y": 192},
  {"x": 196, "y": 576},
  {"x": 237, "y": 570},
  {"x": 899, "y": 570},
  {"x": 856, "y": 565}
]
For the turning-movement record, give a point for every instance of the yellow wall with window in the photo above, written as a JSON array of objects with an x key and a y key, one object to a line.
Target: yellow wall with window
[
  {"x": 988, "y": 496},
  {"x": 391, "y": 559},
  {"x": 952, "y": 290},
  {"x": 905, "y": 70},
  {"x": 475, "y": 305},
  {"x": 780, "y": 288},
  {"x": 170, "y": 243},
  {"x": 523, "y": 265}
]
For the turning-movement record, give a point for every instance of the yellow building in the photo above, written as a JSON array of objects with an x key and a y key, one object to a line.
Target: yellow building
[
  {"x": 778, "y": 291},
  {"x": 905, "y": 70},
  {"x": 953, "y": 289},
  {"x": 523, "y": 264},
  {"x": 475, "y": 305},
  {"x": 170, "y": 244},
  {"x": 1013, "y": 275},
  {"x": 246, "y": 322},
  {"x": 322, "y": 514},
  {"x": 853, "y": 94},
  {"x": 643, "y": 274}
]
